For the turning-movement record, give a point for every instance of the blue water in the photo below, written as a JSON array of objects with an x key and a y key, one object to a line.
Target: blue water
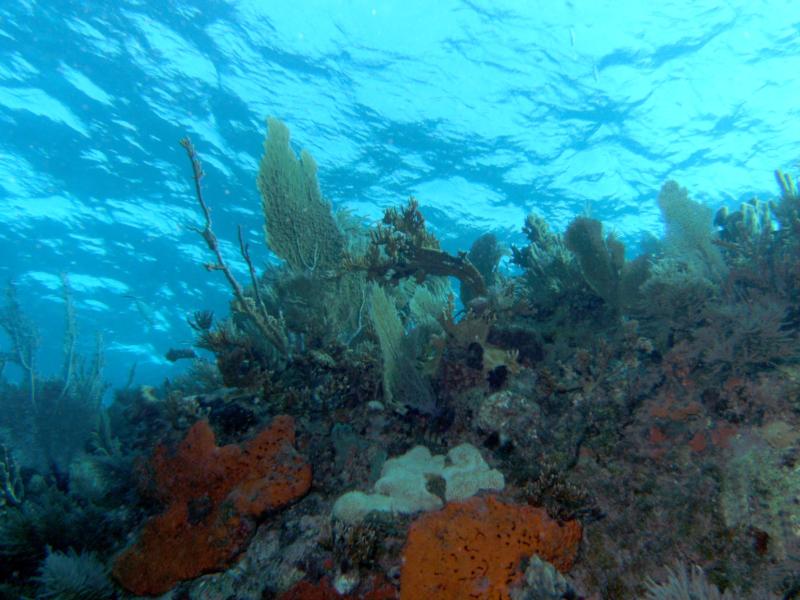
[{"x": 483, "y": 110}]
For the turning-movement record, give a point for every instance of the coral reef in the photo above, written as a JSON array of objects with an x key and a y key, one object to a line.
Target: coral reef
[
  {"x": 759, "y": 492},
  {"x": 319, "y": 297},
  {"x": 268, "y": 325},
  {"x": 576, "y": 397},
  {"x": 547, "y": 263},
  {"x": 325, "y": 590}
]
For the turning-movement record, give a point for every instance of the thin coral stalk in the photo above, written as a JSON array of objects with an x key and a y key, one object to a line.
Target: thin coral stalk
[
  {"x": 70, "y": 334},
  {"x": 269, "y": 326},
  {"x": 244, "y": 248}
]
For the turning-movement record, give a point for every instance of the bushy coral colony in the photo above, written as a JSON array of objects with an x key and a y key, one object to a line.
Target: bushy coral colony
[{"x": 378, "y": 418}]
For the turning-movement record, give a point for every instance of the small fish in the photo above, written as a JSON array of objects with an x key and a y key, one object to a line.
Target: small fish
[
  {"x": 596, "y": 74},
  {"x": 176, "y": 354},
  {"x": 144, "y": 310},
  {"x": 572, "y": 37}
]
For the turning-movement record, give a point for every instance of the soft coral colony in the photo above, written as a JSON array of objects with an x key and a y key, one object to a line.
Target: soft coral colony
[{"x": 358, "y": 436}]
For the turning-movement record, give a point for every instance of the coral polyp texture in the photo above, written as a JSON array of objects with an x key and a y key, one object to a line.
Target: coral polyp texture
[
  {"x": 476, "y": 549},
  {"x": 213, "y": 496}
]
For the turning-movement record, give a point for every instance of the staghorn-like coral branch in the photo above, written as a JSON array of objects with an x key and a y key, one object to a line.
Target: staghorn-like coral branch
[
  {"x": 206, "y": 232},
  {"x": 70, "y": 335},
  {"x": 244, "y": 248},
  {"x": 271, "y": 327}
]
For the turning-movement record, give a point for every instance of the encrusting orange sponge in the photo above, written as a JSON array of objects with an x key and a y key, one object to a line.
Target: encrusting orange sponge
[
  {"x": 474, "y": 549},
  {"x": 213, "y": 496}
]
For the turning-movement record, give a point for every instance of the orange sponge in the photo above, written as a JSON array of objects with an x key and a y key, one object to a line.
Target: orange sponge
[
  {"x": 213, "y": 495},
  {"x": 474, "y": 549}
]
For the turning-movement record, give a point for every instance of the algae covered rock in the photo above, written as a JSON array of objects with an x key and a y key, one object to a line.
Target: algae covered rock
[
  {"x": 760, "y": 490},
  {"x": 512, "y": 416}
]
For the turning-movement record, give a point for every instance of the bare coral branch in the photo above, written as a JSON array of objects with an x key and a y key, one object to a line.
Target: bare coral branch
[
  {"x": 70, "y": 334},
  {"x": 206, "y": 232},
  {"x": 244, "y": 248},
  {"x": 269, "y": 326}
]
